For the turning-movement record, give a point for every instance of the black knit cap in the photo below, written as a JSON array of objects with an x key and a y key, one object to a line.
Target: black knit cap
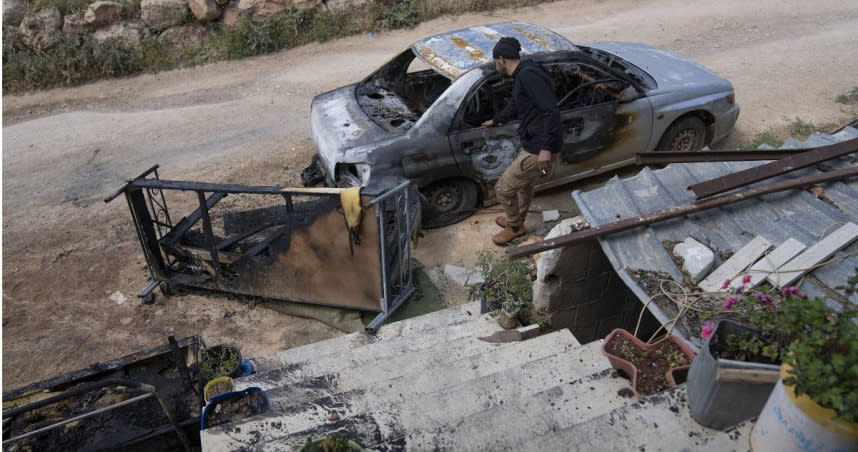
[{"x": 507, "y": 48}]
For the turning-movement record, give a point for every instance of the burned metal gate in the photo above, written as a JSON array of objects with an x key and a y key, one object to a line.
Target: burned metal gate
[{"x": 283, "y": 243}]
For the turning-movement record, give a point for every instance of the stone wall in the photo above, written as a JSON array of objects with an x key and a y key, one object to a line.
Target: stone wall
[
  {"x": 175, "y": 22},
  {"x": 577, "y": 288}
]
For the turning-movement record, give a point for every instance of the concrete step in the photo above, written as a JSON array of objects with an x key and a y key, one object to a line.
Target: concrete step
[
  {"x": 295, "y": 414},
  {"x": 451, "y": 317},
  {"x": 660, "y": 422},
  {"x": 735, "y": 439},
  {"x": 368, "y": 349},
  {"x": 436, "y": 377},
  {"x": 554, "y": 409},
  {"x": 380, "y": 360},
  {"x": 391, "y": 419}
]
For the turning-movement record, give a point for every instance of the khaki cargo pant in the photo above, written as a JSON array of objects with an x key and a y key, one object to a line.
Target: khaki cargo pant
[{"x": 514, "y": 189}]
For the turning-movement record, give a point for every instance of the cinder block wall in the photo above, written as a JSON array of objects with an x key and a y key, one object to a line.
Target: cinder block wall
[{"x": 577, "y": 288}]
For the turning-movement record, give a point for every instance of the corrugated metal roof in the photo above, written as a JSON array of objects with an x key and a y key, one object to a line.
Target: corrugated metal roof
[
  {"x": 455, "y": 52},
  {"x": 797, "y": 213}
]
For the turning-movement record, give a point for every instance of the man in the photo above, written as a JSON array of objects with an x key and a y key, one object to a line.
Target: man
[{"x": 534, "y": 103}]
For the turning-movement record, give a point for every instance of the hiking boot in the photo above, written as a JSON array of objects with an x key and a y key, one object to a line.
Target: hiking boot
[
  {"x": 508, "y": 234},
  {"x": 501, "y": 221}
]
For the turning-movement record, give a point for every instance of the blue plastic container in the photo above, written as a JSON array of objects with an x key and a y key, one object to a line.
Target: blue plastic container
[{"x": 233, "y": 397}]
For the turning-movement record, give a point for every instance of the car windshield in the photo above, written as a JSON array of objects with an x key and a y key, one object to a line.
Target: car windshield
[{"x": 398, "y": 94}]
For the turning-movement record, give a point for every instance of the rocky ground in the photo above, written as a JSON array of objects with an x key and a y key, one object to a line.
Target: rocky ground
[{"x": 71, "y": 264}]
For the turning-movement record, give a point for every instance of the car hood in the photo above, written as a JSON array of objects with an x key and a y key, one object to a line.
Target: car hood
[
  {"x": 669, "y": 71},
  {"x": 339, "y": 124}
]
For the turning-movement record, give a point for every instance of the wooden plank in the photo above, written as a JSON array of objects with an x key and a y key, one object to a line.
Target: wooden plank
[
  {"x": 770, "y": 262},
  {"x": 738, "y": 262},
  {"x": 794, "y": 269}
]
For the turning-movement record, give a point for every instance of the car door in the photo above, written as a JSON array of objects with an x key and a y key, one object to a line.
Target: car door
[
  {"x": 604, "y": 119},
  {"x": 484, "y": 153}
]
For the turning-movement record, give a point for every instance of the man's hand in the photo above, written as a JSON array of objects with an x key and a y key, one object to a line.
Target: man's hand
[
  {"x": 544, "y": 161},
  {"x": 489, "y": 123}
]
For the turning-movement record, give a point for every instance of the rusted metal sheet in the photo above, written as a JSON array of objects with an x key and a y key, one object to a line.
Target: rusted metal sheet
[
  {"x": 454, "y": 53},
  {"x": 667, "y": 157},
  {"x": 631, "y": 223},
  {"x": 762, "y": 172}
]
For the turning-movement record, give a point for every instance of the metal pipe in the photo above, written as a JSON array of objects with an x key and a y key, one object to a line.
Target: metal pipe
[
  {"x": 667, "y": 157},
  {"x": 777, "y": 168},
  {"x": 77, "y": 418},
  {"x": 631, "y": 223},
  {"x": 125, "y": 186},
  {"x": 388, "y": 193}
]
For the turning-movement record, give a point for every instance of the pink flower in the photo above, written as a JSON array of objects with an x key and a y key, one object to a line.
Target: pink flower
[
  {"x": 728, "y": 303},
  {"x": 726, "y": 284},
  {"x": 792, "y": 290},
  {"x": 763, "y": 297},
  {"x": 707, "y": 330},
  {"x": 746, "y": 279}
]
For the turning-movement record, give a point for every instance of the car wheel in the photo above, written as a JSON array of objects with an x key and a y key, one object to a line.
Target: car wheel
[
  {"x": 448, "y": 201},
  {"x": 685, "y": 135}
]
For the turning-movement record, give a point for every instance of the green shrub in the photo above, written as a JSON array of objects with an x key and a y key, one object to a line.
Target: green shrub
[
  {"x": 396, "y": 14},
  {"x": 762, "y": 138}
]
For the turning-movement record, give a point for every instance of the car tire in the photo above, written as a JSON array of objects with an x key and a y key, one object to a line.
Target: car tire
[
  {"x": 685, "y": 135},
  {"x": 447, "y": 202}
]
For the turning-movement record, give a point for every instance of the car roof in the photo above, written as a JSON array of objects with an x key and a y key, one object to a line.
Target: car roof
[{"x": 454, "y": 53}]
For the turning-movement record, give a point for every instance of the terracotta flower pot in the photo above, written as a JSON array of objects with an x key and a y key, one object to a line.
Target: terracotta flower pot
[{"x": 631, "y": 370}]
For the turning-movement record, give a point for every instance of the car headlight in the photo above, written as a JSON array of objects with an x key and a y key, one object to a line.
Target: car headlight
[{"x": 352, "y": 174}]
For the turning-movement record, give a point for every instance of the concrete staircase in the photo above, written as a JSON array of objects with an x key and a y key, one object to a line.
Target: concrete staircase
[{"x": 431, "y": 383}]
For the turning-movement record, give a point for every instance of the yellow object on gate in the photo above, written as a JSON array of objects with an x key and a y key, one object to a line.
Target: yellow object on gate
[
  {"x": 353, "y": 211},
  {"x": 350, "y": 200}
]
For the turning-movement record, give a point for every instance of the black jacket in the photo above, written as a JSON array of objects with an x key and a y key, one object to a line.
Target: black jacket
[{"x": 534, "y": 103}]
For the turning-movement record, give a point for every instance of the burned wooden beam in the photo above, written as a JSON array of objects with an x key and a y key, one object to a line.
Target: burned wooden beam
[
  {"x": 667, "y": 157},
  {"x": 783, "y": 166},
  {"x": 631, "y": 223}
]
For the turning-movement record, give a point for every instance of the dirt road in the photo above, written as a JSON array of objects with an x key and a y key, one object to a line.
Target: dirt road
[{"x": 66, "y": 254}]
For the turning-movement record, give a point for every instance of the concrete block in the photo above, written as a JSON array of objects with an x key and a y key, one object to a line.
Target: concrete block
[
  {"x": 463, "y": 276},
  {"x": 550, "y": 215},
  {"x": 697, "y": 259}
]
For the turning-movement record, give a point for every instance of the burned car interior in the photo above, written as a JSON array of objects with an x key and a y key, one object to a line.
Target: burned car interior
[
  {"x": 395, "y": 98},
  {"x": 578, "y": 87}
]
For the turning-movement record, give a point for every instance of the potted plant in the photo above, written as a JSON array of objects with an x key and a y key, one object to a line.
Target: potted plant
[
  {"x": 651, "y": 367},
  {"x": 221, "y": 361},
  {"x": 814, "y": 405},
  {"x": 330, "y": 443},
  {"x": 739, "y": 363},
  {"x": 507, "y": 287},
  {"x": 234, "y": 406}
]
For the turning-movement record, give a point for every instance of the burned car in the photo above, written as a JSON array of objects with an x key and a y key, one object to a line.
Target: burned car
[{"x": 419, "y": 116}]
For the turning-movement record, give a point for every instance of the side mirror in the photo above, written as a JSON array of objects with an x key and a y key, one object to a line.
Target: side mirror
[{"x": 627, "y": 95}]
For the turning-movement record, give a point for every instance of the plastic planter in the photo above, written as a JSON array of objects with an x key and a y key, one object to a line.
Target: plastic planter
[
  {"x": 725, "y": 392},
  {"x": 629, "y": 368},
  {"x": 796, "y": 423},
  {"x": 225, "y": 402}
]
